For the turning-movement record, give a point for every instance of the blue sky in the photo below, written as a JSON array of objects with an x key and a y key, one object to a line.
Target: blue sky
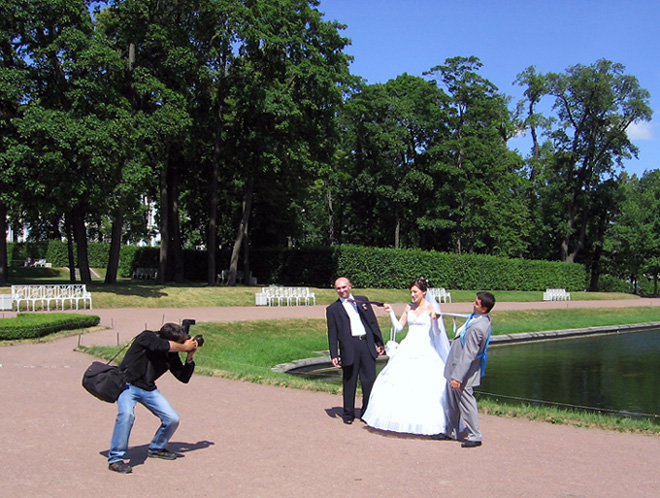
[{"x": 392, "y": 37}]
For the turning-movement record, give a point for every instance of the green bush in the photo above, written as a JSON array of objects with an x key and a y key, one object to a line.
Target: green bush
[
  {"x": 608, "y": 283},
  {"x": 396, "y": 268},
  {"x": 366, "y": 266},
  {"x": 31, "y": 325}
]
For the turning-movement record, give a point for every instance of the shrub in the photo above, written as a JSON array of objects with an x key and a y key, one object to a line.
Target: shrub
[
  {"x": 30, "y": 325},
  {"x": 383, "y": 268}
]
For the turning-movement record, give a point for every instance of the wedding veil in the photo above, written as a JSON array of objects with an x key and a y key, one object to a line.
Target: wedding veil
[{"x": 440, "y": 339}]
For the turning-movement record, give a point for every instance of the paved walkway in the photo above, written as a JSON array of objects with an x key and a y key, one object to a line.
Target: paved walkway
[{"x": 248, "y": 440}]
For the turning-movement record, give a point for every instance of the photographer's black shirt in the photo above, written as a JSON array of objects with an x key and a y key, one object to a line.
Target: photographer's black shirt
[{"x": 149, "y": 357}]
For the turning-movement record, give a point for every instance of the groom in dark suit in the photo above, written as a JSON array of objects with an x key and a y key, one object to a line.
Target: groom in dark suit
[{"x": 353, "y": 325}]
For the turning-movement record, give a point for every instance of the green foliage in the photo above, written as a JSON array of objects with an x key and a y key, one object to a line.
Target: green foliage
[
  {"x": 31, "y": 325},
  {"x": 386, "y": 268}
]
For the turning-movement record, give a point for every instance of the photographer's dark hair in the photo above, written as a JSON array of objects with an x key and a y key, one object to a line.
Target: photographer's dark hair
[
  {"x": 422, "y": 283},
  {"x": 487, "y": 300},
  {"x": 173, "y": 332}
]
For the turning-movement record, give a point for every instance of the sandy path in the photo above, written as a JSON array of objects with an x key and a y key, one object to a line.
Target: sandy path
[{"x": 247, "y": 440}]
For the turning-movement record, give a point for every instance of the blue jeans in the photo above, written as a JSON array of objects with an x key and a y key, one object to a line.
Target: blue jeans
[{"x": 156, "y": 403}]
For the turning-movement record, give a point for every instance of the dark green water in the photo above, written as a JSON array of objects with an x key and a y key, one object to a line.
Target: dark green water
[{"x": 618, "y": 372}]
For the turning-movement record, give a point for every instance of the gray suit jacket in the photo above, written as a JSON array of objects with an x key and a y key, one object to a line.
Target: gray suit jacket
[{"x": 463, "y": 363}]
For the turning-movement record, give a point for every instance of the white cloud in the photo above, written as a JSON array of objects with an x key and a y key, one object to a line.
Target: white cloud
[{"x": 641, "y": 130}]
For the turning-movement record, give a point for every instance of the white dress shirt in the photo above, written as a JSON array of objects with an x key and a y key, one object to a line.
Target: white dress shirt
[{"x": 357, "y": 327}]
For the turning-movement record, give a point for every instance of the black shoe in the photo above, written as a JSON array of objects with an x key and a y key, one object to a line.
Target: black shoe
[
  {"x": 348, "y": 421},
  {"x": 121, "y": 467},
  {"x": 471, "y": 444},
  {"x": 441, "y": 437},
  {"x": 164, "y": 454}
]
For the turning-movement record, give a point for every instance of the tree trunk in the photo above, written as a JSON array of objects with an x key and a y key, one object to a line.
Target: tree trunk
[
  {"x": 70, "y": 247},
  {"x": 595, "y": 269},
  {"x": 246, "y": 259},
  {"x": 242, "y": 230},
  {"x": 115, "y": 246},
  {"x": 164, "y": 229},
  {"x": 4, "y": 267},
  {"x": 176, "y": 249},
  {"x": 397, "y": 232},
  {"x": 331, "y": 219},
  {"x": 212, "y": 236},
  {"x": 80, "y": 235}
]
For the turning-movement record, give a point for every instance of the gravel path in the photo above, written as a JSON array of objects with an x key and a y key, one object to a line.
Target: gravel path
[{"x": 248, "y": 440}]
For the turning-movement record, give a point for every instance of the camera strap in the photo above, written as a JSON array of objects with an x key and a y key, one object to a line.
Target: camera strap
[{"x": 122, "y": 349}]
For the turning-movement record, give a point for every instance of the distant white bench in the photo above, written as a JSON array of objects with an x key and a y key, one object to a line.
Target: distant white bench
[
  {"x": 222, "y": 278},
  {"x": 556, "y": 295},
  {"x": 289, "y": 296},
  {"x": 441, "y": 295},
  {"x": 56, "y": 294},
  {"x": 6, "y": 304},
  {"x": 145, "y": 274}
]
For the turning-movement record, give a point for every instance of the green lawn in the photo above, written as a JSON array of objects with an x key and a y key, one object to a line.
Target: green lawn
[{"x": 127, "y": 293}]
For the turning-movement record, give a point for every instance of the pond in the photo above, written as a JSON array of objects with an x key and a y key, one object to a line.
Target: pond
[
  {"x": 614, "y": 372},
  {"x": 610, "y": 373}
]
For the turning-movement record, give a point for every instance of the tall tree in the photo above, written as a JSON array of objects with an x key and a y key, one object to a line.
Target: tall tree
[
  {"x": 14, "y": 89},
  {"x": 388, "y": 129},
  {"x": 287, "y": 86},
  {"x": 51, "y": 37},
  {"x": 479, "y": 206},
  {"x": 594, "y": 106}
]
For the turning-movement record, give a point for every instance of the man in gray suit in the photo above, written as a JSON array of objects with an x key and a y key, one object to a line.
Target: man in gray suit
[{"x": 464, "y": 369}]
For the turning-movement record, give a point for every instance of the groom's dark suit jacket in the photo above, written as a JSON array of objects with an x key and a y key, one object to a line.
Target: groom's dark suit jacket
[{"x": 339, "y": 330}]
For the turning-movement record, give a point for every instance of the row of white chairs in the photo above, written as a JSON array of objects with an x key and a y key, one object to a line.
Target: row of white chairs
[
  {"x": 441, "y": 295},
  {"x": 145, "y": 274},
  {"x": 556, "y": 295},
  {"x": 56, "y": 294},
  {"x": 287, "y": 296}
]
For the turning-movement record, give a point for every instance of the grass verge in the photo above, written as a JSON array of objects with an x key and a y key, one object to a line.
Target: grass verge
[
  {"x": 130, "y": 294},
  {"x": 248, "y": 350},
  {"x": 562, "y": 416}
]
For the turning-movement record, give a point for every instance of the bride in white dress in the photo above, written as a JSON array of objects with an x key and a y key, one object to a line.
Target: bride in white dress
[{"x": 408, "y": 395}]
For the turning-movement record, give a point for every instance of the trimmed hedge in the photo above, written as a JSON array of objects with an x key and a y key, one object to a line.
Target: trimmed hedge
[
  {"x": 396, "y": 268},
  {"x": 31, "y": 326},
  {"x": 366, "y": 266}
]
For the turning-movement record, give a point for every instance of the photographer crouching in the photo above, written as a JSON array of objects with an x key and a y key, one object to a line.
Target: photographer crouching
[{"x": 149, "y": 357}]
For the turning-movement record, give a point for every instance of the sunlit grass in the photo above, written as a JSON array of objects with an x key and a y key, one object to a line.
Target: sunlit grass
[
  {"x": 512, "y": 322},
  {"x": 563, "y": 416},
  {"x": 128, "y": 293}
]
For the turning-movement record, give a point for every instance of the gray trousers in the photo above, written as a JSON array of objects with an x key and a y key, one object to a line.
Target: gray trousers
[{"x": 462, "y": 405}]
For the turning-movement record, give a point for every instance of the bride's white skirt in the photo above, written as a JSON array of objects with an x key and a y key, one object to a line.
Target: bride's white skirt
[{"x": 408, "y": 395}]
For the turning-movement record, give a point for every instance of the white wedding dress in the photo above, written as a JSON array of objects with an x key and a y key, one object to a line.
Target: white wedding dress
[{"x": 408, "y": 395}]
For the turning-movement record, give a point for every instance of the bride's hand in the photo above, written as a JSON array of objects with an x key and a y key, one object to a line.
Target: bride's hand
[{"x": 387, "y": 307}]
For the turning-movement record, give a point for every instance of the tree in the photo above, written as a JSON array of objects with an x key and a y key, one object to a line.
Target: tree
[
  {"x": 50, "y": 38},
  {"x": 288, "y": 80},
  {"x": 14, "y": 88},
  {"x": 388, "y": 129},
  {"x": 594, "y": 106},
  {"x": 479, "y": 205},
  {"x": 632, "y": 242}
]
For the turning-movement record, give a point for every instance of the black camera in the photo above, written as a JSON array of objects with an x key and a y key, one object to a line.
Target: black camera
[{"x": 199, "y": 339}]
